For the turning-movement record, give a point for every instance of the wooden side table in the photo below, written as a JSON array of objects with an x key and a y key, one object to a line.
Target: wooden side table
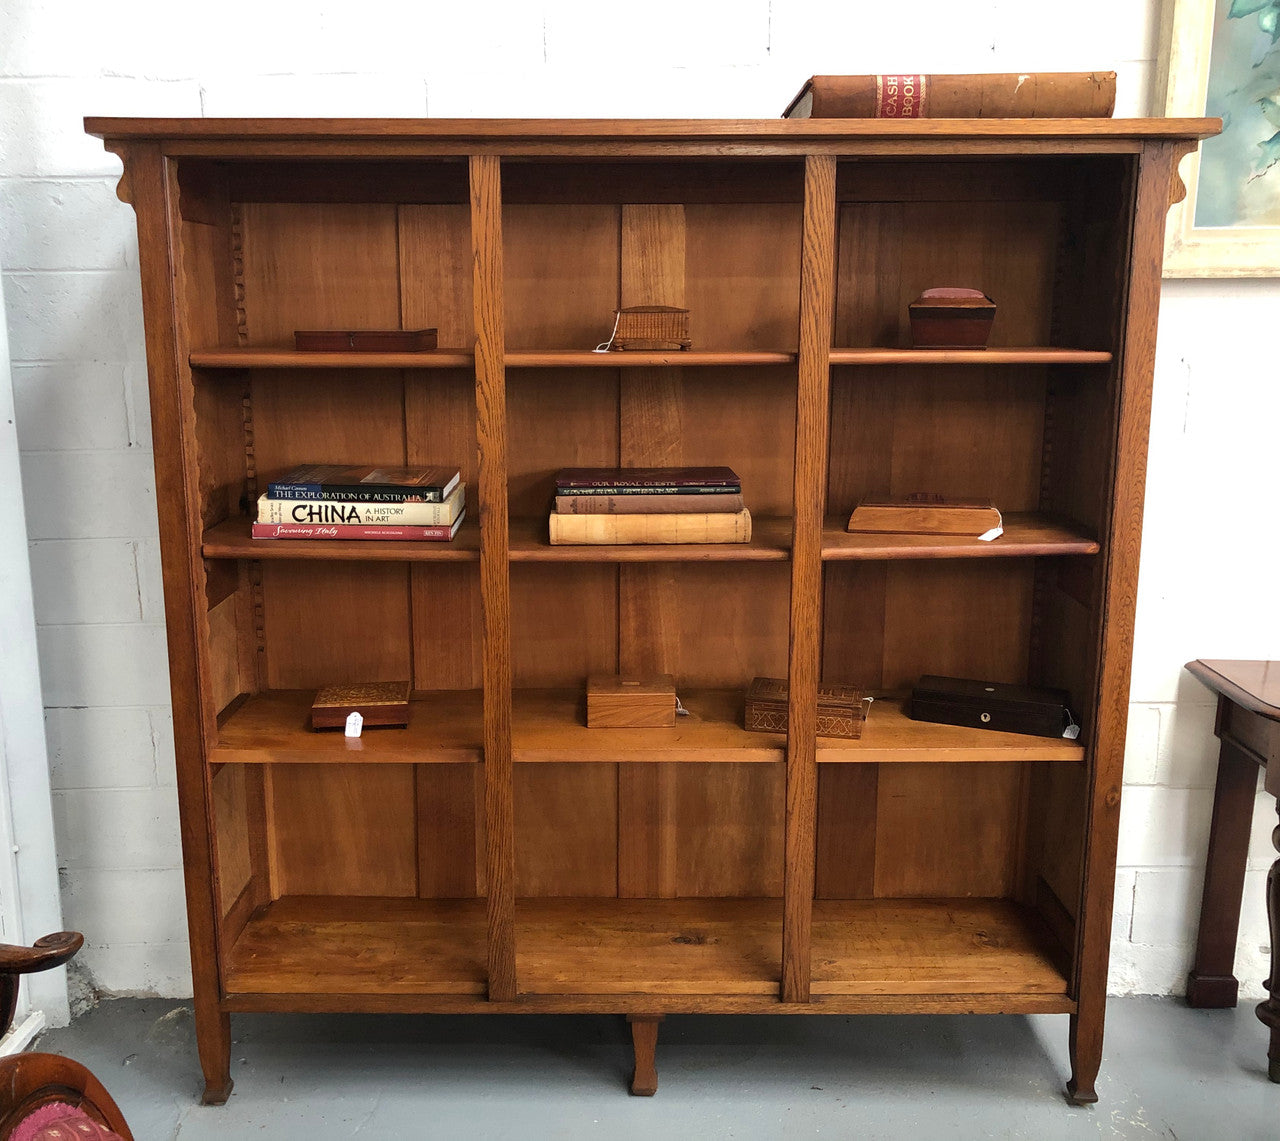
[{"x": 1248, "y": 725}]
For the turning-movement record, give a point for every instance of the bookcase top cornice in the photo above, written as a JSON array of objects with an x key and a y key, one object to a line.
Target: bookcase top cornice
[{"x": 618, "y": 135}]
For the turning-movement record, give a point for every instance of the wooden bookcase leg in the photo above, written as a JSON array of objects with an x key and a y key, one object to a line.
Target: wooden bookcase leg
[
  {"x": 213, "y": 1040},
  {"x": 1085, "y": 1042},
  {"x": 644, "y": 1042},
  {"x": 1269, "y": 1011}
]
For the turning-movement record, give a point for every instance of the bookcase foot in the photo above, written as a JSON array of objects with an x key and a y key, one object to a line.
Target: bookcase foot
[
  {"x": 644, "y": 1042},
  {"x": 216, "y": 1094},
  {"x": 1080, "y": 1095},
  {"x": 213, "y": 1038}
]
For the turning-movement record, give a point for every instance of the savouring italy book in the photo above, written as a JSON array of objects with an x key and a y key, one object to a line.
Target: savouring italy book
[
  {"x": 379, "y": 531},
  {"x": 366, "y": 484}
]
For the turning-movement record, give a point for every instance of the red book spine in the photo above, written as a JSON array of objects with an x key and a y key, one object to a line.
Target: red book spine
[{"x": 349, "y": 531}]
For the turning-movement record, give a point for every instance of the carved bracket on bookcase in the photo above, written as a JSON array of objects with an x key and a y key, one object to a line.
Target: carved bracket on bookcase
[
  {"x": 124, "y": 188},
  {"x": 1178, "y": 188}
]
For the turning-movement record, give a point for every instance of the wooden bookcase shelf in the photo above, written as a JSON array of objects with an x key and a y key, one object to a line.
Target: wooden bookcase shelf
[
  {"x": 273, "y": 728},
  {"x": 287, "y": 358},
  {"x": 233, "y": 539},
  {"x": 870, "y": 955},
  {"x": 549, "y": 726},
  {"x": 695, "y": 358},
  {"x": 991, "y": 356},
  {"x": 1025, "y": 535},
  {"x": 497, "y": 854}
]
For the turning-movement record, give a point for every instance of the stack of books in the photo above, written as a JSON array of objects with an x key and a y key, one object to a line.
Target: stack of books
[
  {"x": 328, "y": 501},
  {"x": 607, "y": 506}
]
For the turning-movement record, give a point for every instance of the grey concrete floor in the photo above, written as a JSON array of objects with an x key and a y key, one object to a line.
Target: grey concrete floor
[{"x": 1169, "y": 1072}]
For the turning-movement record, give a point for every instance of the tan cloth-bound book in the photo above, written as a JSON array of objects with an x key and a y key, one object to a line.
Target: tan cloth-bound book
[{"x": 611, "y": 530}]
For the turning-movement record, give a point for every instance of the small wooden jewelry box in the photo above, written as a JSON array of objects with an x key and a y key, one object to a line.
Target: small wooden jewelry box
[
  {"x": 841, "y": 708},
  {"x": 381, "y": 703},
  {"x": 951, "y": 318},
  {"x": 620, "y": 702},
  {"x": 652, "y": 327}
]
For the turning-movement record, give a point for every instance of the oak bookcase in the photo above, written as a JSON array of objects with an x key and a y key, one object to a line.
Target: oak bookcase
[{"x": 496, "y": 854}]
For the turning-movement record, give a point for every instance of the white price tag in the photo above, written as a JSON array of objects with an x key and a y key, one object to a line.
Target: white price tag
[{"x": 354, "y": 724}]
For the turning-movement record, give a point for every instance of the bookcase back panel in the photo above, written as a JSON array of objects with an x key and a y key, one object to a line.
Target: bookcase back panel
[
  {"x": 318, "y": 266},
  {"x": 964, "y": 432},
  {"x": 846, "y": 834},
  {"x": 325, "y": 417},
  {"x": 564, "y": 623},
  {"x": 649, "y": 182},
  {"x": 948, "y": 830},
  {"x": 451, "y": 835},
  {"x": 955, "y": 618},
  {"x": 712, "y": 625},
  {"x": 561, "y": 270},
  {"x": 435, "y": 272},
  {"x": 890, "y": 252},
  {"x": 742, "y": 276},
  {"x": 649, "y": 830},
  {"x": 342, "y": 830},
  {"x": 558, "y": 418},
  {"x": 566, "y": 829},
  {"x": 327, "y": 623},
  {"x": 709, "y": 830},
  {"x": 437, "y": 180},
  {"x": 899, "y": 830}
]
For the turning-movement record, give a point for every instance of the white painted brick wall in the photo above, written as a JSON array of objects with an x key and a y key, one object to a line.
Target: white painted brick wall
[{"x": 69, "y": 256}]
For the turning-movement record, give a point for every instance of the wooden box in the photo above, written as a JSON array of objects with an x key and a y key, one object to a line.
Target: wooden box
[
  {"x": 652, "y": 327},
  {"x": 951, "y": 319},
  {"x": 621, "y": 702},
  {"x": 381, "y": 703},
  {"x": 365, "y": 340},
  {"x": 993, "y": 705},
  {"x": 841, "y": 708}
]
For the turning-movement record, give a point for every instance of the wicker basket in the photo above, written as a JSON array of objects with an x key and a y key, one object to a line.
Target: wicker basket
[{"x": 652, "y": 327}]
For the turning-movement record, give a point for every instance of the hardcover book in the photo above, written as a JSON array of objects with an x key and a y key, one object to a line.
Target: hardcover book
[
  {"x": 647, "y": 504},
  {"x": 648, "y": 481},
  {"x": 377, "y": 531},
  {"x": 380, "y": 703},
  {"x": 363, "y": 512},
  {"x": 612, "y": 530},
  {"x": 1012, "y": 95},
  {"x": 366, "y": 484}
]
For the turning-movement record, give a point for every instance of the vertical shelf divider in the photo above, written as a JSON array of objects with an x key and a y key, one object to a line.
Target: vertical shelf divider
[
  {"x": 817, "y": 314},
  {"x": 495, "y": 578}
]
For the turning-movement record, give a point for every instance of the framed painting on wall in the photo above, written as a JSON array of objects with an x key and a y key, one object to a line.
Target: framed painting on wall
[{"x": 1222, "y": 58}]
